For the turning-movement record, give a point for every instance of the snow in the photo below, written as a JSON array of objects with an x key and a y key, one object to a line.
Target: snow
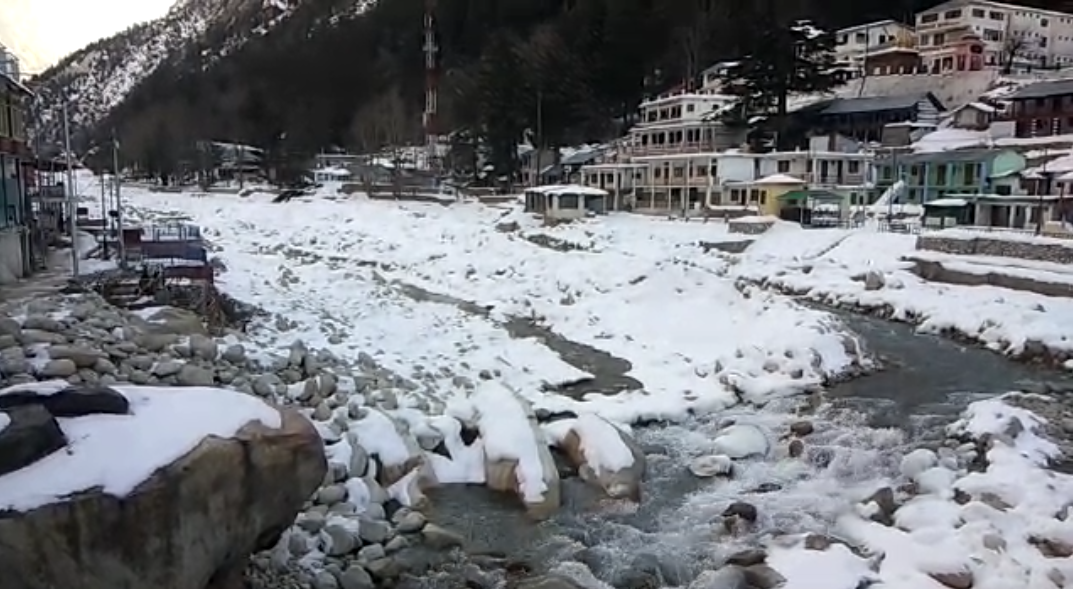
[
  {"x": 507, "y": 434},
  {"x": 601, "y": 443},
  {"x": 947, "y": 202},
  {"x": 935, "y": 535},
  {"x": 827, "y": 265},
  {"x": 779, "y": 179},
  {"x": 167, "y": 423},
  {"x": 400, "y": 282},
  {"x": 378, "y": 435}
]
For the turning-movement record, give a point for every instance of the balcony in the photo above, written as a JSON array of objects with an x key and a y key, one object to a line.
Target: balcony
[
  {"x": 834, "y": 179},
  {"x": 667, "y": 149}
]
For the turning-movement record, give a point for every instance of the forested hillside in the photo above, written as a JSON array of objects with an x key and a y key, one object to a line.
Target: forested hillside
[{"x": 339, "y": 73}]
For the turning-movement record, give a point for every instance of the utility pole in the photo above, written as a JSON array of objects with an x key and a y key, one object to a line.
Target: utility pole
[
  {"x": 121, "y": 249},
  {"x": 72, "y": 222},
  {"x": 104, "y": 213}
]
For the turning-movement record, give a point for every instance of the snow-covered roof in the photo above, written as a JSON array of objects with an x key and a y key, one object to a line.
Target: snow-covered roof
[
  {"x": 568, "y": 189},
  {"x": 947, "y": 202},
  {"x": 332, "y": 171},
  {"x": 780, "y": 179}
]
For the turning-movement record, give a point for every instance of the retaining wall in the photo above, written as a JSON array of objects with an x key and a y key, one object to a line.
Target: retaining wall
[{"x": 1026, "y": 249}]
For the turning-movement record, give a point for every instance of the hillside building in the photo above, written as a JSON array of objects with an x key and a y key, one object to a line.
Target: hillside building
[
  {"x": 856, "y": 45},
  {"x": 956, "y": 35}
]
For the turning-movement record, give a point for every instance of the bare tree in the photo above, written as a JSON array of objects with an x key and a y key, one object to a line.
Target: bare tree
[
  {"x": 381, "y": 126},
  {"x": 1015, "y": 47}
]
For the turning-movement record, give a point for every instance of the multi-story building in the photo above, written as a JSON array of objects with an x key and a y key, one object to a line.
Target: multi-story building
[
  {"x": 681, "y": 122},
  {"x": 932, "y": 175},
  {"x": 15, "y": 260},
  {"x": 960, "y": 34},
  {"x": 677, "y": 182},
  {"x": 854, "y": 45},
  {"x": 1042, "y": 109}
]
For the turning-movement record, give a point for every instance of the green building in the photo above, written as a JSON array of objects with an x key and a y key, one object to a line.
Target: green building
[{"x": 930, "y": 176}]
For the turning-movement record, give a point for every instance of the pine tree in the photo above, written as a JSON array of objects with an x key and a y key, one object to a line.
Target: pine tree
[
  {"x": 504, "y": 97},
  {"x": 776, "y": 62}
]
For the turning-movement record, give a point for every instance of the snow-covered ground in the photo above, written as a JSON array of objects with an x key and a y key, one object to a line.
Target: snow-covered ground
[
  {"x": 641, "y": 292},
  {"x": 830, "y": 265},
  {"x": 698, "y": 337}
]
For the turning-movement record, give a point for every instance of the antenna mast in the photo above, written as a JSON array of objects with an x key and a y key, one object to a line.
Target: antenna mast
[{"x": 432, "y": 82}]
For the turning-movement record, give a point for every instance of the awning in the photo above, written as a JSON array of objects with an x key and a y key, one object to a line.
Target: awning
[{"x": 800, "y": 196}]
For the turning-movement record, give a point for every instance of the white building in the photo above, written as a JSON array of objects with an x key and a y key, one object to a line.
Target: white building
[
  {"x": 854, "y": 44},
  {"x": 731, "y": 179},
  {"x": 1043, "y": 38},
  {"x": 679, "y": 122},
  {"x": 9, "y": 64}
]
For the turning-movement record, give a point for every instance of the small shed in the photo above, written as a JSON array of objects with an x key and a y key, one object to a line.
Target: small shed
[
  {"x": 943, "y": 213},
  {"x": 331, "y": 174},
  {"x": 813, "y": 208},
  {"x": 566, "y": 201}
]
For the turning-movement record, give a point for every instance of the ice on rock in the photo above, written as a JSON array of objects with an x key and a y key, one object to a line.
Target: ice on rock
[
  {"x": 917, "y": 462},
  {"x": 741, "y": 441},
  {"x": 936, "y": 480}
]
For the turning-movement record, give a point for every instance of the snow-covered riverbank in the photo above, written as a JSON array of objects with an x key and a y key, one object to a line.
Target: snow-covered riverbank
[{"x": 334, "y": 275}]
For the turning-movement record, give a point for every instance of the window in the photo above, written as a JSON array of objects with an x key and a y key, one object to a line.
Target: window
[
  {"x": 689, "y": 108},
  {"x": 887, "y": 173},
  {"x": 912, "y": 195},
  {"x": 842, "y": 40},
  {"x": 916, "y": 170},
  {"x": 1003, "y": 189},
  {"x": 938, "y": 39},
  {"x": 992, "y": 35},
  {"x": 754, "y": 195},
  {"x": 951, "y": 14},
  {"x": 658, "y": 173},
  {"x": 860, "y": 38},
  {"x": 996, "y": 15},
  {"x": 679, "y": 172},
  {"x": 940, "y": 174},
  {"x": 972, "y": 173},
  {"x": 782, "y": 166},
  {"x": 978, "y": 13},
  {"x": 1043, "y": 22},
  {"x": 568, "y": 201},
  {"x": 929, "y": 18},
  {"x": 854, "y": 167}
]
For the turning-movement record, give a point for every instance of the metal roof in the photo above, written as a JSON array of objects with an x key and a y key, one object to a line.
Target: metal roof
[
  {"x": 1043, "y": 90},
  {"x": 941, "y": 157},
  {"x": 875, "y": 103}
]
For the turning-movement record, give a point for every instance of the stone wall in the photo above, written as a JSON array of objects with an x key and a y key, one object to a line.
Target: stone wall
[
  {"x": 748, "y": 227},
  {"x": 936, "y": 272},
  {"x": 1043, "y": 251}
]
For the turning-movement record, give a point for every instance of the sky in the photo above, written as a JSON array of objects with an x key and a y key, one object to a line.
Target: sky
[{"x": 41, "y": 32}]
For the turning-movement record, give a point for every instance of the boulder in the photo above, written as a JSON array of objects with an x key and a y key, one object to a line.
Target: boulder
[
  {"x": 506, "y": 422},
  {"x": 193, "y": 523},
  {"x": 70, "y": 401},
  {"x": 29, "y": 434},
  {"x": 605, "y": 456}
]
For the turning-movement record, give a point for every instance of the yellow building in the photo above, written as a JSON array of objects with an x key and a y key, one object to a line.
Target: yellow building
[{"x": 763, "y": 194}]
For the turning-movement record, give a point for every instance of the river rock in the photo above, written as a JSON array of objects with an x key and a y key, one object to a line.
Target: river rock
[
  {"x": 255, "y": 482},
  {"x": 68, "y": 401},
  {"x": 83, "y": 357},
  {"x": 356, "y": 577},
  {"x": 440, "y": 539},
  {"x": 409, "y": 522},
  {"x": 741, "y": 441},
  {"x": 30, "y": 434},
  {"x": 711, "y": 466},
  {"x": 604, "y": 455},
  {"x": 729, "y": 577},
  {"x": 549, "y": 582},
  {"x": 342, "y": 539},
  {"x": 374, "y": 532},
  {"x": 191, "y": 375},
  {"x": 59, "y": 369}
]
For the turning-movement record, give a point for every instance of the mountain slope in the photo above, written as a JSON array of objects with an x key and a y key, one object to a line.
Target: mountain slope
[{"x": 95, "y": 79}]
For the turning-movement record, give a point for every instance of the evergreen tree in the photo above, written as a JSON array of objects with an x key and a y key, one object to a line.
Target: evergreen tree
[
  {"x": 504, "y": 98},
  {"x": 776, "y": 62}
]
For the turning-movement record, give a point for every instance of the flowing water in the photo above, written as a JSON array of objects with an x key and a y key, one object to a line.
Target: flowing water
[{"x": 860, "y": 437}]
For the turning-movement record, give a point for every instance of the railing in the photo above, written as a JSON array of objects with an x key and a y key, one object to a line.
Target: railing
[
  {"x": 835, "y": 179},
  {"x": 676, "y": 148}
]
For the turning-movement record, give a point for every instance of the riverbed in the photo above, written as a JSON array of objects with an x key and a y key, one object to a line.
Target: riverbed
[{"x": 862, "y": 430}]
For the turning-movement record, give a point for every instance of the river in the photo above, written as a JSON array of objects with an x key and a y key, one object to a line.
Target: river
[{"x": 861, "y": 433}]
